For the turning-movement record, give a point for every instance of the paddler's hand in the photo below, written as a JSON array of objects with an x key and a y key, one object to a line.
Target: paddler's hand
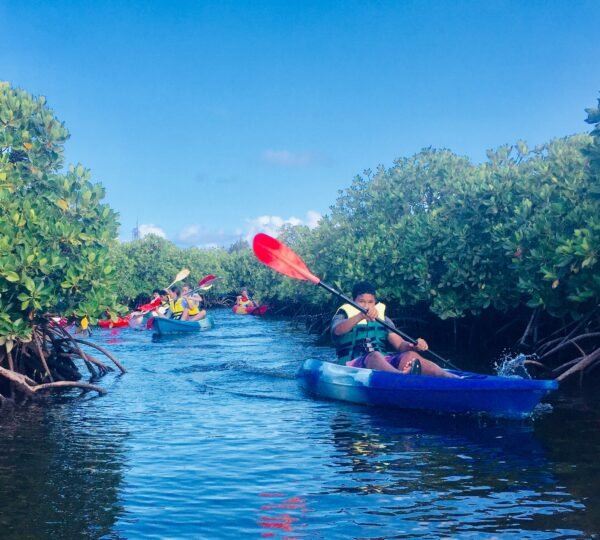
[
  {"x": 370, "y": 315},
  {"x": 421, "y": 345}
]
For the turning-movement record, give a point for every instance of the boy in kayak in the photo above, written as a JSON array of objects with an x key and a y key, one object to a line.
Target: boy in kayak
[
  {"x": 361, "y": 342},
  {"x": 243, "y": 300}
]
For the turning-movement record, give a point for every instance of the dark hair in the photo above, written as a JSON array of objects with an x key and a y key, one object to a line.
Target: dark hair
[
  {"x": 363, "y": 287},
  {"x": 162, "y": 292},
  {"x": 176, "y": 290},
  {"x": 157, "y": 291}
]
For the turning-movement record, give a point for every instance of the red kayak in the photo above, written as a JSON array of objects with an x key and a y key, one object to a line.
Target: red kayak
[
  {"x": 249, "y": 310},
  {"x": 260, "y": 310},
  {"x": 150, "y": 306},
  {"x": 119, "y": 323}
]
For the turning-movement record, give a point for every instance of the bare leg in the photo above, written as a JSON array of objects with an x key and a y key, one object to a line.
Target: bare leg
[
  {"x": 377, "y": 361},
  {"x": 428, "y": 368}
]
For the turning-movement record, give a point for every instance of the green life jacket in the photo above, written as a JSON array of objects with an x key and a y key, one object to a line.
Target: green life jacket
[{"x": 366, "y": 336}]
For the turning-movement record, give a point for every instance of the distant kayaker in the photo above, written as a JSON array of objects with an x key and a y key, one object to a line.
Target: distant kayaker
[
  {"x": 190, "y": 302},
  {"x": 188, "y": 292},
  {"x": 158, "y": 301},
  {"x": 362, "y": 342},
  {"x": 173, "y": 305},
  {"x": 244, "y": 300},
  {"x": 155, "y": 301}
]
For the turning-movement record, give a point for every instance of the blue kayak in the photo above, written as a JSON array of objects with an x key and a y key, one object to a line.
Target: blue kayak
[
  {"x": 474, "y": 393},
  {"x": 162, "y": 326}
]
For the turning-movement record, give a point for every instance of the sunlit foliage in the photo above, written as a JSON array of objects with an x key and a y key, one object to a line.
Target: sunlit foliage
[{"x": 54, "y": 228}]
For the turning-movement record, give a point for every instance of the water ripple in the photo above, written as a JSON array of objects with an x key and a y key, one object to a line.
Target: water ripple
[{"x": 209, "y": 436}]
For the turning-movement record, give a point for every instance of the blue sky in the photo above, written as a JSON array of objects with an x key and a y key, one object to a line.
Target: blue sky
[{"x": 208, "y": 121}]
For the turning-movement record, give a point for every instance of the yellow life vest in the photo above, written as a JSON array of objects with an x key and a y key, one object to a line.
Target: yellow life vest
[
  {"x": 176, "y": 308},
  {"x": 244, "y": 303},
  {"x": 192, "y": 307},
  {"x": 351, "y": 311}
]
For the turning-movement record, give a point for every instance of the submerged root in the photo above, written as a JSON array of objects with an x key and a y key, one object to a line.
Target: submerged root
[{"x": 49, "y": 362}]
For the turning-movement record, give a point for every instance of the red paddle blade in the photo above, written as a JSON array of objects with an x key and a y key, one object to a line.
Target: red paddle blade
[
  {"x": 281, "y": 258},
  {"x": 206, "y": 279}
]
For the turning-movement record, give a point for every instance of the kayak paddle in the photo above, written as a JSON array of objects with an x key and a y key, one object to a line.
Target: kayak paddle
[
  {"x": 204, "y": 284},
  {"x": 207, "y": 282},
  {"x": 183, "y": 273},
  {"x": 281, "y": 258}
]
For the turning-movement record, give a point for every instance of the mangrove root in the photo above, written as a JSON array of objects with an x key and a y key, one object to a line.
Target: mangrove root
[{"x": 48, "y": 362}]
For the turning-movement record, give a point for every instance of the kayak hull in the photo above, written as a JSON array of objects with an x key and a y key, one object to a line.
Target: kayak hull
[
  {"x": 244, "y": 310},
  {"x": 121, "y": 322},
  {"x": 161, "y": 326},
  {"x": 474, "y": 393},
  {"x": 141, "y": 322}
]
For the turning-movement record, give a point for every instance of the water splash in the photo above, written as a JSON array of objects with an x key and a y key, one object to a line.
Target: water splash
[
  {"x": 541, "y": 409},
  {"x": 509, "y": 366},
  {"x": 514, "y": 366}
]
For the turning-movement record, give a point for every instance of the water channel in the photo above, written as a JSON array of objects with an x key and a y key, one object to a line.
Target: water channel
[{"x": 209, "y": 436}]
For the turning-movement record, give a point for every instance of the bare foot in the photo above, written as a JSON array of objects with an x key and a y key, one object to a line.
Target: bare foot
[
  {"x": 412, "y": 367},
  {"x": 407, "y": 369}
]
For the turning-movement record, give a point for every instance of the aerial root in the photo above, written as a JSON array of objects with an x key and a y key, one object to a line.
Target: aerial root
[
  {"x": 48, "y": 362},
  {"x": 70, "y": 384},
  {"x": 581, "y": 366}
]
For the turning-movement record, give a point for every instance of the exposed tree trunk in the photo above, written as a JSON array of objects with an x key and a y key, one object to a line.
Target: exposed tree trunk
[
  {"x": 41, "y": 353},
  {"x": 530, "y": 326}
]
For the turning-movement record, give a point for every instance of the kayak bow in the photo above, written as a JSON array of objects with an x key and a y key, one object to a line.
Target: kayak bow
[{"x": 162, "y": 326}]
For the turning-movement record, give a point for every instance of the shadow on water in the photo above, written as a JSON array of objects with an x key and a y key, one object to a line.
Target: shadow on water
[
  {"x": 571, "y": 436},
  {"x": 59, "y": 480}
]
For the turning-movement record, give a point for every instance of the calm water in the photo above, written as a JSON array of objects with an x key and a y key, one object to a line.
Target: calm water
[{"x": 208, "y": 436}]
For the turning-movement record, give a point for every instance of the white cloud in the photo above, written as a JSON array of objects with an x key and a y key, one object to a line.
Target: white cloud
[
  {"x": 272, "y": 224},
  {"x": 197, "y": 235},
  {"x": 313, "y": 218},
  {"x": 147, "y": 228},
  {"x": 293, "y": 160},
  {"x": 189, "y": 234},
  {"x": 203, "y": 237}
]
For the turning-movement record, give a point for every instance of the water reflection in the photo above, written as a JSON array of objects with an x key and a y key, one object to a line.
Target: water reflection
[
  {"x": 58, "y": 481},
  {"x": 282, "y": 514},
  {"x": 211, "y": 437},
  {"x": 445, "y": 475},
  {"x": 572, "y": 438}
]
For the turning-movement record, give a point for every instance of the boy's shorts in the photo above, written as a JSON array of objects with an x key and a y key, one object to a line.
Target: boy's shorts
[{"x": 392, "y": 359}]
